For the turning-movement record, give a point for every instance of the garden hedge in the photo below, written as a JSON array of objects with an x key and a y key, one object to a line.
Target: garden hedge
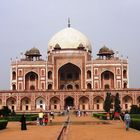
[
  {"x": 17, "y": 117},
  {"x": 100, "y": 116},
  {"x": 135, "y": 123},
  {"x": 3, "y": 124}
]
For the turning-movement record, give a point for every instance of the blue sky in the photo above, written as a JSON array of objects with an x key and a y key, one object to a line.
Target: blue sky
[{"x": 28, "y": 23}]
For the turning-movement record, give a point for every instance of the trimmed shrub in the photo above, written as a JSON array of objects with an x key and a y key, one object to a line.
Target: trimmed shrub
[
  {"x": 135, "y": 123},
  {"x": 3, "y": 124},
  {"x": 100, "y": 116},
  {"x": 135, "y": 109},
  {"x": 135, "y": 116},
  {"x": 29, "y": 117}
]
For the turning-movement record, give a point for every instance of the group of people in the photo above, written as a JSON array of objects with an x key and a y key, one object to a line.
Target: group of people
[
  {"x": 81, "y": 113},
  {"x": 125, "y": 117},
  {"x": 42, "y": 118}
]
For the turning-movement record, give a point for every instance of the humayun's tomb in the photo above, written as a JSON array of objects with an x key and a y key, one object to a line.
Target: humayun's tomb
[{"x": 68, "y": 77}]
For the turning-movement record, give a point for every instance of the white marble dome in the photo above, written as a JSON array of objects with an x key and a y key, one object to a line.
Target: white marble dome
[{"x": 69, "y": 38}]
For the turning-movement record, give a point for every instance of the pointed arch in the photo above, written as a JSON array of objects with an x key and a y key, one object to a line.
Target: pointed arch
[
  {"x": 11, "y": 103},
  {"x": 98, "y": 103},
  {"x": 69, "y": 101},
  {"x": 88, "y": 74},
  {"x": 89, "y": 86},
  {"x": 127, "y": 102},
  {"x": 69, "y": 74},
  {"x": 54, "y": 103},
  {"x": 40, "y": 103},
  {"x": 107, "y": 80},
  {"x": 84, "y": 103},
  {"x": 31, "y": 81},
  {"x": 25, "y": 104},
  {"x": 13, "y": 75}
]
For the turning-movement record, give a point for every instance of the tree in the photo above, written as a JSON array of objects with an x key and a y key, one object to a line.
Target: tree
[
  {"x": 5, "y": 111},
  {"x": 135, "y": 109},
  {"x": 117, "y": 107},
  {"x": 107, "y": 102}
]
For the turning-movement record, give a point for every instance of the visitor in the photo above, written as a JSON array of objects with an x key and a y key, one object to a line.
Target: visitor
[
  {"x": 45, "y": 119},
  {"x": 23, "y": 122},
  {"x": 84, "y": 113},
  {"x": 79, "y": 113},
  {"x": 127, "y": 120},
  {"x": 116, "y": 115},
  {"x": 52, "y": 114},
  {"x": 51, "y": 118},
  {"x": 108, "y": 116},
  {"x": 37, "y": 121},
  {"x": 40, "y": 115}
]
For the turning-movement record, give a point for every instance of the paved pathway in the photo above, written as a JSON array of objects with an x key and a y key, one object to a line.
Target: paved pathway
[
  {"x": 113, "y": 131},
  {"x": 34, "y": 132}
]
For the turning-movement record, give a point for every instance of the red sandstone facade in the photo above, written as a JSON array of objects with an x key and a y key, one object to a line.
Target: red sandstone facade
[{"x": 69, "y": 77}]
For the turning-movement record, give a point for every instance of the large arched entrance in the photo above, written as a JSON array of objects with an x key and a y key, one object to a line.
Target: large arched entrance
[
  {"x": 107, "y": 80},
  {"x": 31, "y": 81},
  {"x": 69, "y": 101},
  {"x": 69, "y": 77}
]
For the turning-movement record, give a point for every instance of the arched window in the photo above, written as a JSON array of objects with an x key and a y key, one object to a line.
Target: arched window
[
  {"x": 69, "y": 87},
  {"x": 77, "y": 86},
  {"x": 13, "y": 75},
  {"x": 88, "y": 86},
  {"x": 98, "y": 106},
  {"x": 32, "y": 87},
  {"x": 13, "y": 87},
  {"x": 49, "y": 75},
  {"x": 124, "y": 74},
  {"x": 50, "y": 86},
  {"x": 125, "y": 85},
  {"x": 41, "y": 102},
  {"x": 88, "y": 74}
]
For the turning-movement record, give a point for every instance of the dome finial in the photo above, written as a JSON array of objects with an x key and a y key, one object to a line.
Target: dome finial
[{"x": 68, "y": 22}]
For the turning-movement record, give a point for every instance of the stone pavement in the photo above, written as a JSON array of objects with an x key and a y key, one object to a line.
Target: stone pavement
[
  {"x": 113, "y": 131},
  {"x": 34, "y": 132}
]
